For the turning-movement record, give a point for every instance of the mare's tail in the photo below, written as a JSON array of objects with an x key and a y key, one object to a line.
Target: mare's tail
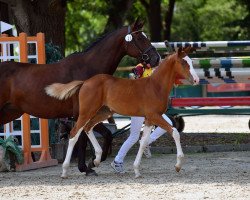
[{"x": 63, "y": 91}]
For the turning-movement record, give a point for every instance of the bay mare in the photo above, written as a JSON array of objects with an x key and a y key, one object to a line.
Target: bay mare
[
  {"x": 22, "y": 84},
  {"x": 103, "y": 95}
]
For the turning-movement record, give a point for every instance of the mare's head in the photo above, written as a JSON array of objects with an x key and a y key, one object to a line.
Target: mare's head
[
  {"x": 184, "y": 67},
  {"x": 139, "y": 46}
]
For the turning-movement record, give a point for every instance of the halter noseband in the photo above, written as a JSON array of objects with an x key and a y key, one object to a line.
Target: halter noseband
[{"x": 128, "y": 38}]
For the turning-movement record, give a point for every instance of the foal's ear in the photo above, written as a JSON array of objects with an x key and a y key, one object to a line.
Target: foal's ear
[
  {"x": 137, "y": 25},
  {"x": 180, "y": 52},
  {"x": 188, "y": 49}
]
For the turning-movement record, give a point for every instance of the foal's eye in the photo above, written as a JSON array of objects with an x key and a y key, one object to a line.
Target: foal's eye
[{"x": 185, "y": 64}]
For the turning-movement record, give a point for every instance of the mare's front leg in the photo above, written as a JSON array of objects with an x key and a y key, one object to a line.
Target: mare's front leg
[
  {"x": 144, "y": 142},
  {"x": 160, "y": 121},
  {"x": 9, "y": 113},
  {"x": 81, "y": 152}
]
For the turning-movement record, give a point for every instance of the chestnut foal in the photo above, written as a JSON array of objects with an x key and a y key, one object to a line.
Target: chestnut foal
[{"x": 103, "y": 95}]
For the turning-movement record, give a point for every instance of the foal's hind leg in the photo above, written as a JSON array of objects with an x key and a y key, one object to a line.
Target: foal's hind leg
[
  {"x": 75, "y": 132},
  {"x": 159, "y": 121},
  {"x": 72, "y": 142},
  {"x": 102, "y": 114},
  {"x": 107, "y": 137}
]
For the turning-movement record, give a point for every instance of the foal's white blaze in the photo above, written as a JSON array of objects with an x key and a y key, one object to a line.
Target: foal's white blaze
[{"x": 192, "y": 71}]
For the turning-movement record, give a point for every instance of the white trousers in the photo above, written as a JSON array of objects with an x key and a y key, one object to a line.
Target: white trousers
[{"x": 135, "y": 129}]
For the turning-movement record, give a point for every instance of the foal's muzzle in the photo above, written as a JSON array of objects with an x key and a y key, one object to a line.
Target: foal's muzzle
[{"x": 193, "y": 81}]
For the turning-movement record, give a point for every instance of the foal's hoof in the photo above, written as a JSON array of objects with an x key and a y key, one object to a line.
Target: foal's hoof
[
  {"x": 138, "y": 175},
  {"x": 177, "y": 169},
  {"x": 96, "y": 163},
  {"x": 64, "y": 176},
  {"x": 91, "y": 172},
  {"x": 180, "y": 162}
]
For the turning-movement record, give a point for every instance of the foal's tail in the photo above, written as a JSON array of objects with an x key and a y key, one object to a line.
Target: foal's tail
[{"x": 63, "y": 91}]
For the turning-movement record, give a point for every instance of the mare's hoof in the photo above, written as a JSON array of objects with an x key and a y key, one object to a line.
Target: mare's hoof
[
  {"x": 12, "y": 169},
  {"x": 82, "y": 169},
  {"x": 91, "y": 172}
]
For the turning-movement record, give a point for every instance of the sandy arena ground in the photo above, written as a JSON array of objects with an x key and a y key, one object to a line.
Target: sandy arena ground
[
  {"x": 210, "y": 124},
  {"x": 204, "y": 176},
  {"x": 217, "y": 124}
]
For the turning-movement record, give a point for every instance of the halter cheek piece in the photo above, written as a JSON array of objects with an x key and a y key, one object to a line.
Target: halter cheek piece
[{"x": 129, "y": 37}]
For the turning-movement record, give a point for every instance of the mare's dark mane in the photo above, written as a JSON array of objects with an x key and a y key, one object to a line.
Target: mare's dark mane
[{"x": 93, "y": 44}]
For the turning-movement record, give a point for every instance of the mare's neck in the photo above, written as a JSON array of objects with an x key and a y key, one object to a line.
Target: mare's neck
[
  {"x": 110, "y": 52},
  {"x": 104, "y": 57},
  {"x": 164, "y": 76}
]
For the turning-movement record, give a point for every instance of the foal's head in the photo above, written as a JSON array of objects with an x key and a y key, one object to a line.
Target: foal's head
[
  {"x": 184, "y": 67},
  {"x": 138, "y": 45}
]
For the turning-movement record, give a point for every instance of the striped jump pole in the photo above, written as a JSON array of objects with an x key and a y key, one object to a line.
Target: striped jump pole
[
  {"x": 220, "y": 75},
  {"x": 205, "y": 46},
  {"x": 221, "y": 62}
]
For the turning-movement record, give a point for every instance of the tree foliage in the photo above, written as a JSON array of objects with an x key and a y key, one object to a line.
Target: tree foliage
[
  {"x": 175, "y": 20},
  {"x": 208, "y": 20},
  {"x": 85, "y": 21}
]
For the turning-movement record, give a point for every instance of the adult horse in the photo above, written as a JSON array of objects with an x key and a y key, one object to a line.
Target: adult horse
[
  {"x": 22, "y": 84},
  {"x": 146, "y": 97}
]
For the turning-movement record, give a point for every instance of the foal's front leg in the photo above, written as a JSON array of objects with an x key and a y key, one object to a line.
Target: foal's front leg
[
  {"x": 180, "y": 154},
  {"x": 160, "y": 121},
  {"x": 143, "y": 144}
]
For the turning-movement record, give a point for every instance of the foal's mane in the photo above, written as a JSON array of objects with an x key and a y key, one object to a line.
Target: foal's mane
[{"x": 168, "y": 57}]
